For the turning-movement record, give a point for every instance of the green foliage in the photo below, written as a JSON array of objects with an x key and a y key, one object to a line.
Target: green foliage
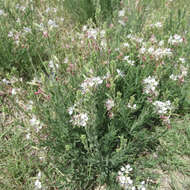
[
  {"x": 21, "y": 42},
  {"x": 106, "y": 98},
  {"x": 92, "y": 154},
  {"x": 97, "y": 10}
]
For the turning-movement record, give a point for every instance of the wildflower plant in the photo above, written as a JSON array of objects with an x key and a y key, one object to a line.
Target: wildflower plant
[
  {"x": 96, "y": 94},
  {"x": 105, "y": 113}
]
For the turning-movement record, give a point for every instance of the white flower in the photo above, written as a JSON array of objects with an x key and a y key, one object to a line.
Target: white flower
[
  {"x": 126, "y": 169},
  {"x": 151, "y": 50},
  {"x": 66, "y": 60},
  {"x": 38, "y": 184},
  {"x": 123, "y": 178},
  {"x": 109, "y": 104},
  {"x": 52, "y": 24},
  {"x": 71, "y": 109},
  {"x": 10, "y": 34},
  {"x": 150, "y": 85},
  {"x": 139, "y": 40},
  {"x": 126, "y": 44},
  {"x": 184, "y": 71},
  {"x": 142, "y": 186},
  {"x": 120, "y": 73},
  {"x": 173, "y": 77},
  {"x": 39, "y": 174},
  {"x": 121, "y": 22},
  {"x": 130, "y": 62},
  {"x": 62, "y": 19},
  {"x": 107, "y": 76},
  {"x": 153, "y": 39},
  {"x": 84, "y": 28},
  {"x": 158, "y": 25},
  {"x": 28, "y": 135},
  {"x": 53, "y": 66},
  {"x": 92, "y": 33},
  {"x": 129, "y": 180},
  {"x": 134, "y": 106},
  {"x": 126, "y": 58},
  {"x": 161, "y": 43},
  {"x": 80, "y": 119},
  {"x": 182, "y": 59},
  {"x": 34, "y": 121},
  {"x": 129, "y": 36},
  {"x": 13, "y": 91},
  {"x": 121, "y": 13},
  {"x": 90, "y": 82},
  {"x": 162, "y": 107},
  {"x": 175, "y": 40},
  {"x": 5, "y": 81},
  {"x": 26, "y": 29},
  {"x": 35, "y": 81},
  {"x": 142, "y": 50},
  {"x": 161, "y": 52},
  {"x": 102, "y": 33},
  {"x": 122, "y": 169}
]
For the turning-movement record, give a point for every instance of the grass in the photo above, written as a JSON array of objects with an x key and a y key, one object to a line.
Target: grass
[
  {"x": 170, "y": 163},
  {"x": 46, "y": 60}
]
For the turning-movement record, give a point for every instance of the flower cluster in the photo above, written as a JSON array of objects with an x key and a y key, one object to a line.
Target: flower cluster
[
  {"x": 175, "y": 40},
  {"x": 90, "y": 83},
  {"x": 52, "y": 24},
  {"x": 180, "y": 77},
  {"x": 79, "y": 119},
  {"x": 156, "y": 25},
  {"x": 109, "y": 104},
  {"x": 94, "y": 33},
  {"x": 53, "y": 65},
  {"x": 130, "y": 62},
  {"x": 121, "y": 15},
  {"x": 162, "y": 107},
  {"x": 125, "y": 180},
  {"x": 150, "y": 86},
  {"x": 120, "y": 73},
  {"x": 135, "y": 38},
  {"x": 157, "y": 53},
  {"x": 132, "y": 106}
]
